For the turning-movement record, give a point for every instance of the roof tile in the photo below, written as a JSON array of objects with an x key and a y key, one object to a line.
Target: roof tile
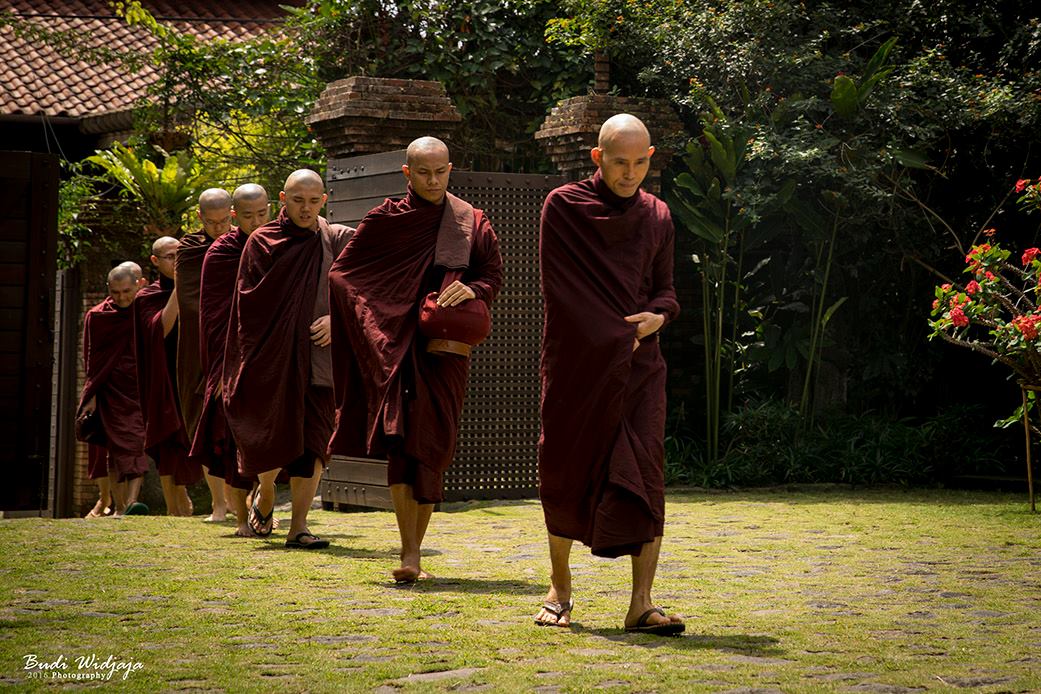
[{"x": 39, "y": 79}]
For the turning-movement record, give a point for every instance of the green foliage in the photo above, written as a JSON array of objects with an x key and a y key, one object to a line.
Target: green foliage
[
  {"x": 164, "y": 193},
  {"x": 767, "y": 444}
]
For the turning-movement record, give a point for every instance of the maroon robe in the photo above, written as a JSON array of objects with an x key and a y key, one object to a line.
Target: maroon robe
[
  {"x": 111, "y": 377},
  {"x": 393, "y": 398},
  {"x": 601, "y": 450},
  {"x": 277, "y": 384},
  {"x": 165, "y": 438},
  {"x": 213, "y": 444},
  {"x": 191, "y": 378}
]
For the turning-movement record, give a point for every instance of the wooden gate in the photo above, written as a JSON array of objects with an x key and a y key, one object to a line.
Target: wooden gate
[
  {"x": 496, "y": 454},
  {"x": 28, "y": 262}
]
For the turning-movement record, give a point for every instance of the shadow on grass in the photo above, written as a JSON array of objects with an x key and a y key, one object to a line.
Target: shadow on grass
[
  {"x": 739, "y": 644},
  {"x": 346, "y": 552},
  {"x": 468, "y": 585}
]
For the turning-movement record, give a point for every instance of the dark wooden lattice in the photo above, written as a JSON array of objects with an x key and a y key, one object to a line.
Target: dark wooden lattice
[{"x": 496, "y": 455}]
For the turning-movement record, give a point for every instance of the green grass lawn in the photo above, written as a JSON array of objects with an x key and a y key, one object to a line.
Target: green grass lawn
[{"x": 794, "y": 591}]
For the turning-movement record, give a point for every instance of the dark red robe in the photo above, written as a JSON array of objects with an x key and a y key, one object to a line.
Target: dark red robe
[
  {"x": 111, "y": 376},
  {"x": 213, "y": 444},
  {"x": 601, "y": 450},
  {"x": 191, "y": 378},
  {"x": 166, "y": 441},
  {"x": 277, "y": 384},
  {"x": 393, "y": 398}
]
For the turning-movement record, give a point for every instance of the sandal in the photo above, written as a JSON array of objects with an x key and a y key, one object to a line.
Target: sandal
[
  {"x": 558, "y": 610},
  {"x": 664, "y": 629},
  {"x": 315, "y": 543},
  {"x": 257, "y": 520}
]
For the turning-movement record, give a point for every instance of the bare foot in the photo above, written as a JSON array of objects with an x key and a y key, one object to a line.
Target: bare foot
[
  {"x": 100, "y": 510},
  {"x": 216, "y": 517},
  {"x": 244, "y": 531},
  {"x": 406, "y": 574}
]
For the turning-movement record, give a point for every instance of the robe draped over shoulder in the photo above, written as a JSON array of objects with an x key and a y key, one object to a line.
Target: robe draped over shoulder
[
  {"x": 269, "y": 359},
  {"x": 601, "y": 448},
  {"x": 391, "y": 395},
  {"x": 191, "y": 379},
  {"x": 110, "y": 363}
]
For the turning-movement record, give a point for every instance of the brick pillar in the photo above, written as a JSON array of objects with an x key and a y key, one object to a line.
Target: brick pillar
[
  {"x": 369, "y": 115},
  {"x": 571, "y": 129}
]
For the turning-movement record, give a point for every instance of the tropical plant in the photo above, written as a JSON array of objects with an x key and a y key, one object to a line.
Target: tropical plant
[{"x": 165, "y": 193}]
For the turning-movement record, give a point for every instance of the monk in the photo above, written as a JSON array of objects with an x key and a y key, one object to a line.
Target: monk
[
  {"x": 395, "y": 399},
  {"x": 213, "y": 443},
  {"x": 214, "y": 213},
  {"x": 277, "y": 382},
  {"x": 166, "y": 442},
  {"x": 110, "y": 390},
  {"x": 606, "y": 260}
]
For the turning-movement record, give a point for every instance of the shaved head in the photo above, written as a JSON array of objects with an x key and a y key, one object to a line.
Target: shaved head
[
  {"x": 214, "y": 199},
  {"x": 121, "y": 273},
  {"x": 248, "y": 192},
  {"x": 134, "y": 268},
  {"x": 164, "y": 244},
  {"x": 623, "y": 154},
  {"x": 622, "y": 127},
  {"x": 424, "y": 147},
  {"x": 251, "y": 209},
  {"x": 303, "y": 178},
  {"x": 304, "y": 197},
  {"x": 427, "y": 168}
]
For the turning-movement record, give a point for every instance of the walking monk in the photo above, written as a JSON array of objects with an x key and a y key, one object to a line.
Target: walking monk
[
  {"x": 111, "y": 391},
  {"x": 606, "y": 259},
  {"x": 277, "y": 384},
  {"x": 396, "y": 397},
  {"x": 166, "y": 442},
  {"x": 213, "y": 443},
  {"x": 215, "y": 215}
]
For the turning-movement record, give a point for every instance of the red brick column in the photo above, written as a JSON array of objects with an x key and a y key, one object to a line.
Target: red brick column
[
  {"x": 369, "y": 115},
  {"x": 571, "y": 129}
]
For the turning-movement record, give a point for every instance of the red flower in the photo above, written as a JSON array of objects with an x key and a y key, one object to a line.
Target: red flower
[
  {"x": 936, "y": 304},
  {"x": 1029, "y": 254},
  {"x": 1027, "y": 325},
  {"x": 1021, "y": 184},
  {"x": 989, "y": 275},
  {"x": 959, "y": 318},
  {"x": 946, "y": 287},
  {"x": 972, "y": 287}
]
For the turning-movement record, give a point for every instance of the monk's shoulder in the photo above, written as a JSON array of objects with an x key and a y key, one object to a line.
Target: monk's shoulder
[
  {"x": 193, "y": 240},
  {"x": 658, "y": 209}
]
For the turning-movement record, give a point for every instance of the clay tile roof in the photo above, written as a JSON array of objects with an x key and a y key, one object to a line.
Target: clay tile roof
[{"x": 37, "y": 79}]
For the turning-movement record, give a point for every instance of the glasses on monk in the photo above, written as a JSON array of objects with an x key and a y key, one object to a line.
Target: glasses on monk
[{"x": 168, "y": 256}]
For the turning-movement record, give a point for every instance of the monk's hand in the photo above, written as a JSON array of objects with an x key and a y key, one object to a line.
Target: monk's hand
[
  {"x": 455, "y": 294},
  {"x": 647, "y": 323},
  {"x": 321, "y": 332},
  {"x": 91, "y": 404}
]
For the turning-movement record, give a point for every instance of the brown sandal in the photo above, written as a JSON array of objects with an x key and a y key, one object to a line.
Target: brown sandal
[{"x": 558, "y": 610}]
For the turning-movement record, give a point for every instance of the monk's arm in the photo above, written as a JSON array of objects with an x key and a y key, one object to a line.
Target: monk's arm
[
  {"x": 486, "y": 264},
  {"x": 663, "y": 295},
  {"x": 170, "y": 312}
]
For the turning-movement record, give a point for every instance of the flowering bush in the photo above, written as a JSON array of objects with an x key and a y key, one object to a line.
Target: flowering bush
[{"x": 997, "y": 312}]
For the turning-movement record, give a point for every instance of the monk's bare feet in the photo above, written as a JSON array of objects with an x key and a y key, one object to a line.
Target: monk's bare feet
[
  {"x": 410, "y": 570},
  {"x": 100, "y": 510},
  {"x": 556, "y": 609},
  {"x": 216, "y": 517},
  {"x": 244, "y": 531}
]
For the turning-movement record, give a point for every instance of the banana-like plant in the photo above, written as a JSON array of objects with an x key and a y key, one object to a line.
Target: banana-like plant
[{"x": 165, "y": 193}]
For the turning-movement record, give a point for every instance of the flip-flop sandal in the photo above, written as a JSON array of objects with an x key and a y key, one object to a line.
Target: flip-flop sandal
[
  {"x": 136, "y": 509},
  {"x": 257, "y": 521},
  {"x": 663, "y": 629},
  {"x": 315, "y": 543},
  {"x": 558, "y": 610}
]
